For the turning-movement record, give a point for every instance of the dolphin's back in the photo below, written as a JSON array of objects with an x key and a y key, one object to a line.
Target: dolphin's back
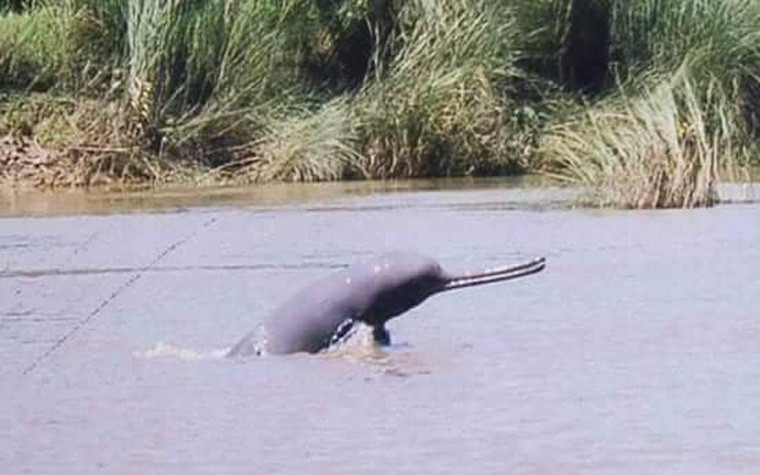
[{"x": 307, "y": 321}]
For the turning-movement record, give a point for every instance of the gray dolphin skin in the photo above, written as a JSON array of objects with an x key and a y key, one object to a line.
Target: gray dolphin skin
[{"x": 372, "y": 292}]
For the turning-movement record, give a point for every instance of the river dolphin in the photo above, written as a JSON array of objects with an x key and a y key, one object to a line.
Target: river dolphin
[{"x": 372, "y": 292}]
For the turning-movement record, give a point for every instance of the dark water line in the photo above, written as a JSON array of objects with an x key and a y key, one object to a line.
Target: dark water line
[
  {"x": 37, "y": 273},
  {"x": 4, "y": 319}
]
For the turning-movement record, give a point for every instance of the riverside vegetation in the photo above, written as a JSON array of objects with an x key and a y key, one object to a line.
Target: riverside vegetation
[{"x": 647, "y": 102}]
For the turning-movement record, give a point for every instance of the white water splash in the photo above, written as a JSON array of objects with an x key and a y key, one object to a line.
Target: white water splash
[{"x": 167, "y": 350}]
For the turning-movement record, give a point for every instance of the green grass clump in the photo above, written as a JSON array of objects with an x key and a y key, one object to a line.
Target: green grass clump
[
  {"x": 683, "y": 107},
  {"x": 440, "y": 105},
  {"x": 29, "y": 48},
  {"x": 198, "y": 72},
  {"x": 435, "y": 102},
  {"x": 313, "y": 146},
  {"x": 717, "y": 36},
  {"x": 718, "y": 39},
  {"x": 68, "y": 44},
  {"x": 661, "y": 148}
]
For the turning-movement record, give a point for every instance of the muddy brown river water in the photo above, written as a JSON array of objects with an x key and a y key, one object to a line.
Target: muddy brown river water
[{"x": 637, "y": 351}]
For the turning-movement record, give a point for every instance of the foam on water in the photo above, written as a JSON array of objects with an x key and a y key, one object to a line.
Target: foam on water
[
  {"x": 359, "y": 346},
  {"x": 167, "y": 350}
]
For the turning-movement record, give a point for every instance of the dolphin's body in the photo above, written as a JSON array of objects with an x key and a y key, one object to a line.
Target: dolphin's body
[{"x": 372, "y": 292}]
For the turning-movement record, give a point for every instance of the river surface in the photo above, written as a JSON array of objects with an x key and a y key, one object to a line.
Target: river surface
[{"x": 637, "y": 351}]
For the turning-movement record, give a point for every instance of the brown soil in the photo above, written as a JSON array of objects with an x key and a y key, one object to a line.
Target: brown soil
[{"x": 24, "y": 162}]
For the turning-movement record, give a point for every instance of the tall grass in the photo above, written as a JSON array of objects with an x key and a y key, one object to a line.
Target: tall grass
[
  {"x": 719, "y": 36},
  {"x": 199, "y": 70},
  {"x": 718, "y": 39},
  {"x": 681, "y": 110},
  {"x": 311, "y": 146},
  {"x": 30, "y": 53},
  {"x": 67, "y": 43},
  {"x": 661, "y": 148},
  {"x": 568, "y": 41},
  {"x": 11, "y": 5},
  {"x": 434, "y": 103},
  {"x": 656, "y": 92},
  {"x": 440, "y": 105}
]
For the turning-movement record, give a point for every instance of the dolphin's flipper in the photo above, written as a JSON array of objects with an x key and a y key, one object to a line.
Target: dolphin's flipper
[{"x": 381, "y": 335}]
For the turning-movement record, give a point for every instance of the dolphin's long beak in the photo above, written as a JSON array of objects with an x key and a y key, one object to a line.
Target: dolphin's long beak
[{"x": 496, "y": 275}]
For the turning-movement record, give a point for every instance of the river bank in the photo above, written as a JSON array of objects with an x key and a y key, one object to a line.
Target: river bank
[{"x": 647, "y": 102}]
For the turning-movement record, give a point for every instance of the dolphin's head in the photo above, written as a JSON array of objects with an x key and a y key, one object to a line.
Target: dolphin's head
[
  {"x": 401, "y": 281},
  {"x": 398, "y": 282}
]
